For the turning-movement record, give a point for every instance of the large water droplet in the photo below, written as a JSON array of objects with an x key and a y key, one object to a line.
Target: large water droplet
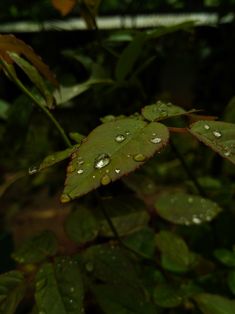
[
  {"x": 105, "y": 180},
  {"x": 120, "y": 138},
  {"x": 117, "y": 171},
  {"x": 227, "y": 153},
  {"x": 64, "y": 198},
  {"x": 139, "y": 157},
  {"x": 33, "y": 170},
  {"x": 80, "y": 171},
  {"x": 102, "y": 161},
  {"x": 196, "y": 220},
  {"x": 217, "y": 134},
  {"x": 156, "y": 140},
  {"x": 206, "y": 127}
]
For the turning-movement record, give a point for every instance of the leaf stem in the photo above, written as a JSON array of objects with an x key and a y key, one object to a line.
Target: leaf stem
[{"x": 187, "y": 169}]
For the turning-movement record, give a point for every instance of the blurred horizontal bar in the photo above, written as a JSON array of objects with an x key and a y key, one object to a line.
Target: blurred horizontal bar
[{"x": 112, "y": 22}]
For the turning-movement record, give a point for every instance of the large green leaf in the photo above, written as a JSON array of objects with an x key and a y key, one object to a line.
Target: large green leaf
[
  {"x": 219, "y": 136},
  {"x": 215, "y": 304},
  {"x": 81, "y": 226},
  {"x": 112, "y": 150},
  {"x": 175, "y": 252},
  {"x": 12, "y": 290},
  {"x": 225, "y": 256},
  {"x": 186, "y": 209},
  {"x": 59, "y": 288},
  {"x": 161, "y": 111},
  {"x": 37, "y": 248},
  {"x": 161, "y": 31}
]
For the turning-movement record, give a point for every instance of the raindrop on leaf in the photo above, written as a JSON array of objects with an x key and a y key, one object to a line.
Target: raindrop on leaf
[
  {"x": 120, "y": 138},
  {"x": 102, "y": 161},
  {"x": 139, "y": 157},
  {"x": 217, "y": 134},
  {"x": 105, "y": 180}
]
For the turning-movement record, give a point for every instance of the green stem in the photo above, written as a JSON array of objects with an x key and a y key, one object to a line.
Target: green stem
[
  {"x": 187, "y": 169},
  {"x": 47, "y": 112}
]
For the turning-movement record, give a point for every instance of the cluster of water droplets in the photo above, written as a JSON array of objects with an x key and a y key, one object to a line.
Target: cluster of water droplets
[{"x": 227, "y": 150}]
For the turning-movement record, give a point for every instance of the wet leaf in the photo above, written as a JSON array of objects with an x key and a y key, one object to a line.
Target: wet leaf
[
  {"x": 219, "y": 136},
  {"x": 35, "y": 77},
  {"x": 9, "y": 43},
  {"x": 12, "y": 290},
  {"x": 161, "y": 111},
  {"x": 175, "y": 252},
  {"x": 81, "y": 226},
  {"x": 186, "y": 209},
  {"x": 36, "y": 249},
  {"x": 110, "y": 151},
  {"x": 59, "y": 288},
  {"x": 167, "y": 296},
  {"x": 64, "y": 6},
  {"x": 215, "y": 304}
]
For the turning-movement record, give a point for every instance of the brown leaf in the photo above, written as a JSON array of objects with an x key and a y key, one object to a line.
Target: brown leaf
[
  {"x": 9, "y": 43},
  {"x": 64, "y": 6}
]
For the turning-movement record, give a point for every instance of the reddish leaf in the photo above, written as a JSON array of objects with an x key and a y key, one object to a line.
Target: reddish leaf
[{"x": 64, "y": 6}]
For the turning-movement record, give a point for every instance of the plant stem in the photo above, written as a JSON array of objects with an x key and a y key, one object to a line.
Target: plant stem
[
  {"x": 187, "y": 169},
  {"x": 45, "y": 110}
]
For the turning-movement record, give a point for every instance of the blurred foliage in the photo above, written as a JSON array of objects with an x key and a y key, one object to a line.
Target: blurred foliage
[{"x": 159, "y": 240}]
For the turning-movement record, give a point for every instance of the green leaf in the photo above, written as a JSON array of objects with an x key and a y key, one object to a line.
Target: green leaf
[
  {"x": 81, "y": 226},
  {"x": 118, "y": 299},
  {"x": 186, "y": 209},
  {"x": 229, "y": 113},
  {"x": 225, "y": 256},
  {"x": 167, "y": 296},
  {"x": 65, "y": 94},
  {"x": 161, "y": 111},
  {"x": 231, "y": 281},
  {"x": 219, "y": 136},
  {"x": 77, "y": 137},
  {"x": 59, "y": 288},
  {"x": 215, "y": 304},
  {"x": 175, "y": 250},
  {"x": 129, "y": 56},
  {"x": 56, "y": 157},
  {"x": 110, "y": 151},
  {"x": 161, "y": 31},
  {"x": 37, "y": 248},
  {"x": 35, "y": 77},
  {"x": 12, "y": 290},
  {"x": 4, "y": 106},
  {"x": 111, "y": 264}
]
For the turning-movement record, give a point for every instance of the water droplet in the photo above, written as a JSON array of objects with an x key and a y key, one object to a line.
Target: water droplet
[
  {"x": 93, "y": 177},
  {"x": 33, "y": 170},
  {"x": 105, "y": 180},
  {"x": 227, "y": 153},
  {"x": 129, "y": 155},
  {"x": 120, "y": 138},
  {"x": 71, "y": 301},
  {"x": 80, "y": 161},
  {"x": 64, "y": 198},
  {"x": 117, "y": 171},
  {"x": 102, "y": 161},
  {"x": 107, "y": 171},
  {"x": 217, "y": 134},
  {"x": 139, "y": 157},
  {"x": 196, "y": 220},
  {"x": 70, "y": 168},
  {"x": 156, "y": 140},
  {"x": 80, "y": 171},
  {"x": 127, "y": 133},
  {"x": 89, "y": 267},
  {"x": 206, "y": 127}
]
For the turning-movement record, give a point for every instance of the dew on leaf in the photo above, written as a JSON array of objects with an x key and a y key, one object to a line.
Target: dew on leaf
[
  {"x": 156, "y": 140},
  {"x": 64, "y": 198},
  {"x": 102, "y": 161},
  {"x": 227, "y": 153},
  {"x": 105, "y": 180},
  {"x": 33, "y": 170},
  {"x": 139, "y": 157},
  {"x": 120, "y": 138},
  {"x": 196, "y": 220},
  {"x": 80, "y": 171},
  {"x": 117, "y": 171},
  {"x": 217, "y": 134},
  {"x": 206, "y": 127}
]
